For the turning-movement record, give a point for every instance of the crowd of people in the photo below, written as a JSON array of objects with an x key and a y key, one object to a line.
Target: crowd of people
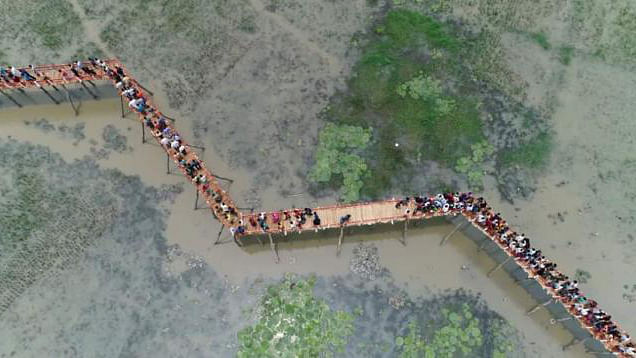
[
  {"x": 561, "y": 287},
  {"x": 79, "y": 71},
  {"x": 161, "y": 129},
  {"x": 517, "y": 245}
]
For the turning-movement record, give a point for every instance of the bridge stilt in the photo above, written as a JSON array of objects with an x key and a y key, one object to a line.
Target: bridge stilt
[
  {"x": 196, "y": 200},
  {"x": 121, "y": 100},
  {"x": 536, "y": 308},
  {"x": 272, "y": 245},
  {"x": 218, "y": 237},
  {"x": 499, "y": 266},
  {"x": 481, "y": 247},
  {"x": 167, "y": 163},
  {"x": 143, "y": 134},
  {"x": 340, "y": 241},
  {"x": 406, "y": 226},
  {"x": 448, "y": 236}
]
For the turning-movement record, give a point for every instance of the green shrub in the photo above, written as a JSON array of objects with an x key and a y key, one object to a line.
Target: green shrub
[
  {"x": 459, "y": 334},
  {"x": 472, "y": 166},
  {"x": 334, "y": 157},
  {"x": 294, "y": 323},
  {"x": 565, "y": 54},
  {"x": 541, "y": 39},
  {"x": 533, "y": 154}
]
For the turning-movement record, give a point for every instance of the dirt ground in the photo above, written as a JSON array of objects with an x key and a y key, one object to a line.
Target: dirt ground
[{"x": 247, "y": 80}]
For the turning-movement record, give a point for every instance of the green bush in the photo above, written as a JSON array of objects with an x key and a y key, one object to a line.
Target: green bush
[
  {"x": 533, "y": 154},
  {"x": 565, "y": 54},
  {"x": 396, "y": 89},
  {"x": 334, "y": 157},
  {"x": 472, "y": 166},
  {"x": 541, "y": 39},
  {"x": 459, "y": 334},
  {"x": 294, "y": 323}
]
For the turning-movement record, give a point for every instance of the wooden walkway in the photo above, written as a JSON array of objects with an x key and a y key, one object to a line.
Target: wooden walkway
[{"x": 285, "y": 221}]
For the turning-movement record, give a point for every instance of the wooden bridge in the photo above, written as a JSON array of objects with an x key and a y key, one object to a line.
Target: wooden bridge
[{"x": 282, "y": 222}]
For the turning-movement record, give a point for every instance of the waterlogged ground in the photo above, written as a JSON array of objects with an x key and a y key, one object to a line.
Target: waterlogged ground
[{"x": 248, "y": 80}]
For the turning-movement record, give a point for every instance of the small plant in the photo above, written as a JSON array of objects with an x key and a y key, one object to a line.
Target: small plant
[
  {"x": 565, "y": 54},
  {"x": 472, "y": 166},
  {"x": 541, "y": 39}
]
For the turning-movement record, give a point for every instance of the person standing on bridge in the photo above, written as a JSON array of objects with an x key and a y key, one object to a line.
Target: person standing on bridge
[{"x": 345, "y": 219}]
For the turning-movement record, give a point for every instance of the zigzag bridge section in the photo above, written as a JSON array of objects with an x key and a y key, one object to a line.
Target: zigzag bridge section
[{"x": 557, "y": 287}]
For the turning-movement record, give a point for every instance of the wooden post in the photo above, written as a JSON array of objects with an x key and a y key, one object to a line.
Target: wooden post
[
  {"x": 12, "y": 99},
  {"x": 406, "y": 225},
  {"x": 70, "y": 100},
  {"x": 222, "y": 178},
  {"x": 340, "y": 241},
  {"x": 238, "y": 241},
  {"x": 448, "y": 236},
  {"x": 218, "y": 237},
  {"x": 196, "y": 200},
  {"x": 49, "y": 95},
  {"x": 499, "y": 266},
  {"x": 481, "y": 247},
  {"x": 143, "y": 133},
  {"x": 167, "y": 163},
  {"x": 535, "y": 308},
  {"x": 272, "y": 245},
  {"x": 121, "y": 100}
]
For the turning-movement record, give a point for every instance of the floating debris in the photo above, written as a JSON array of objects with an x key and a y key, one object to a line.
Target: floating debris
[{"x": 366, "y": 262}]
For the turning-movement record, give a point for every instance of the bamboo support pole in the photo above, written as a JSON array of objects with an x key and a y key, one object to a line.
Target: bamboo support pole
[
  {"x": 499, "y": 266},
  {"x": 272, "y": 245},
  {"x": 536, "y": 308},
  {"x": 340, "y": 241},
  {"x": 448, "y": 236}
]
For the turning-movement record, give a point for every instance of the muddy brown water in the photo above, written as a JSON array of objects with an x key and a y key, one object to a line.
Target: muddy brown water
[{"x": 423, "y": 267}]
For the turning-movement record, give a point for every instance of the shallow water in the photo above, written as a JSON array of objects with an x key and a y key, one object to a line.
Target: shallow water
[{"x": 159, "y": 293}]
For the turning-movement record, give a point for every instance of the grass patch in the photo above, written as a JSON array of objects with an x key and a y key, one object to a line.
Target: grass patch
[
  {"x": 565, "y": 54},
  {"x": 55, "y": 23},
  {"x": 533, "y": 154},
  {"x": 541, "y": 39},
  {"x": 398, "y": 90}
]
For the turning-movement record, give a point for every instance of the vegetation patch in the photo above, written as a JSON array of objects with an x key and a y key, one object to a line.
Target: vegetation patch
[
  {"x": 541, "y": 39},
  {"x": 534, "y": 154},
  {"x": 336, "y": 159},
  {"x": 54, "y": 22},
  {"x": 294, "y": 323},
  {"x": 565, "y": 54},
  {"x": 418, "y": 89}
]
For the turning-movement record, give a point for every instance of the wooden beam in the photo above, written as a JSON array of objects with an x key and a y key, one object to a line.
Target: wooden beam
[
  {"x": 272, "y": 245},
  {"x": 340, "y": 241},
  {"x": 499, "y": 266},
  {"x": 535, "y": 308},
  {"x": 448, "y": 236}
]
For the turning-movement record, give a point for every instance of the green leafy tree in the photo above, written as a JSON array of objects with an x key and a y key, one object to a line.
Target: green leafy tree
[
  {"x": 294, "y": 323},
  {"x": 336, "y": 156}
]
